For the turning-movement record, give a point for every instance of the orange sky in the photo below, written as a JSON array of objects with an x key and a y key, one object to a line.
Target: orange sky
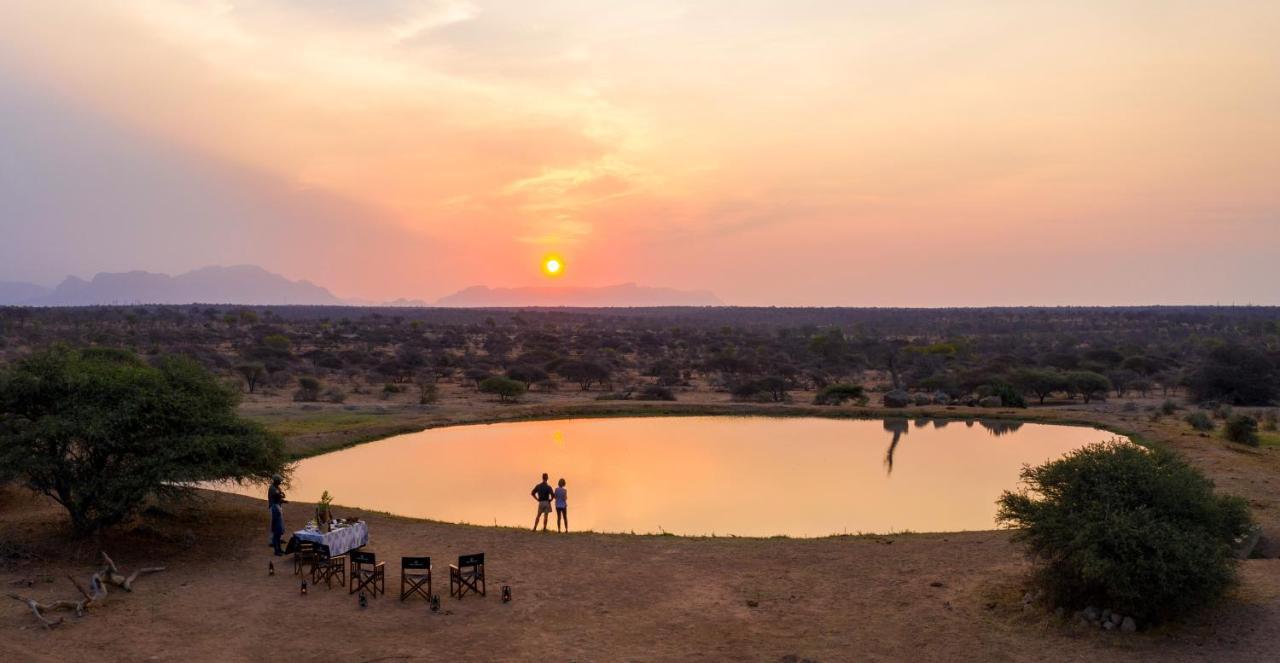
[{"x": 850, "y": 153}]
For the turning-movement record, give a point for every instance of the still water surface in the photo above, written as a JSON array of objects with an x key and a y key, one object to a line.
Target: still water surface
[{"x": 749, "y": 476}]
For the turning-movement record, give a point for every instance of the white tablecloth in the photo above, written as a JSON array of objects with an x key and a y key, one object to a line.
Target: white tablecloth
[{"x": 340, "y": 541}]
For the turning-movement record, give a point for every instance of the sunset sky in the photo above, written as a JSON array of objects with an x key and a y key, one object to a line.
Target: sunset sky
[{"x": 791, "y": 153}]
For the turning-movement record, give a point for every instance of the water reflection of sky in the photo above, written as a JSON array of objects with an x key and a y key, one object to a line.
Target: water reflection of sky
[{"x": 754, "y": 476}]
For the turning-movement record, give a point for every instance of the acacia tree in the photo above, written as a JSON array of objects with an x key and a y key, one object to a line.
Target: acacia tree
[{"x": 101, "y": 431}]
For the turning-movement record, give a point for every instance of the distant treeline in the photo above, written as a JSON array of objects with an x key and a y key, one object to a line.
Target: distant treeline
[{"x": 1224, "y": 354}]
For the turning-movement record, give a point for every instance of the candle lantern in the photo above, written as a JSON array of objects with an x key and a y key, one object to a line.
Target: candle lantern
[
  {"x": 303, "y": 591},
  {"x": 506, "y": 593},
  {"x": 364, "y": 601},
  {"x": 435, "y": 603},
  {"x": 271, "y": 568}
]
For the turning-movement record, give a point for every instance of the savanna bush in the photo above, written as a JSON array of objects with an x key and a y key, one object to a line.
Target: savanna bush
[
  {"x": 655, "y": 392},
  {"x": 1200, "y": 420},
  {"x": 1136, "y": 530},
  {"x": 1242, "y": 428},
  {"x": 839, "y": 394}
]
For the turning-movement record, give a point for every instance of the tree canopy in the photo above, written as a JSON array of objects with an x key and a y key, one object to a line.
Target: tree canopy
[{"x": 100, "y": 431}]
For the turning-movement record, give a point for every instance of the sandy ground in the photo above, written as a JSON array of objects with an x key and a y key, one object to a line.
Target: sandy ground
[{"x": 607, "y": 597}]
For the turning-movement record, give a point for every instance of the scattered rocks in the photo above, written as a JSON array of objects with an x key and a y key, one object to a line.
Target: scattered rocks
[
  {"x": 1107, "y": 619},
  {"x": 936, "y": 583},
  {"x": 753, "y": 603},
  {"x": 897, "y": 398}
]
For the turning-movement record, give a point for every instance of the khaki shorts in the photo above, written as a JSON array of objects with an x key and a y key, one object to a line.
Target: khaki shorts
[{"x": 544, "y": 507}]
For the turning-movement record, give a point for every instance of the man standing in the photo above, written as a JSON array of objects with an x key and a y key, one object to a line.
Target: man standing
[
  {"x": 543, "y": 494},
  {"x": 275, "y": 502}
]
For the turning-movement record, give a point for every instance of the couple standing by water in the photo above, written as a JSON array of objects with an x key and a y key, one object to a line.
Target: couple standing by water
[{"x": 543, "y": 493}]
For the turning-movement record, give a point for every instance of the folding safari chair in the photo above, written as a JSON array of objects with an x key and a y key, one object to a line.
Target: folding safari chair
[
  {"x": 367, "y": 572},
  {"x": 304, "y": 554},
  {"x": 467, "y": 575},
  {"x": 328, "y": 568},
  {"x": 415, "y": 577}
]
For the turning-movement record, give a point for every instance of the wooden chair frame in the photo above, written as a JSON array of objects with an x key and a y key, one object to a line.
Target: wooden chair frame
[
  {"x": 467, "y": 576},
  {"x": 415, "y": 577},
  {"x": 367, "y": 572},
  {"x": 328, "y": 568}
]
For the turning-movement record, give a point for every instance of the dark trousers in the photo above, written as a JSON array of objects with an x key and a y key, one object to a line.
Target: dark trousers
[{"x": 277, "y": 526}]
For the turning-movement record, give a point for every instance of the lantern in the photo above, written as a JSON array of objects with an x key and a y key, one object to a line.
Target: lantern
[
  {"x": 304, "y": 588},
  {"x": 271, "y": 568},
  {"x": 435, "y": 603},
  {"x": 364, "y": 601},
  {"x": 506, "y": 593}
]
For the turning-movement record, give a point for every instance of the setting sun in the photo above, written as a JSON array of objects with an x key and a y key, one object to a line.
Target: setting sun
[{"x": 552, "y": 266}]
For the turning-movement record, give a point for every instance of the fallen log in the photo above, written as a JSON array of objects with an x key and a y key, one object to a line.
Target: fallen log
[{"x": 96, "y": 593}]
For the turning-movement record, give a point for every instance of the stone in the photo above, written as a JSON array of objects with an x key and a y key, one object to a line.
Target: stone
[
  {"x": 753, "y": 604},
  {"x": 990, "y": 401},
  {"x": 1128, "y": 625},
  {"x": 936, "y": 583},
  {"x": 1106, "y": 615},
  {"x": 1091, "y": 613},
  {"x": 897, "y": 398},
  {"x": 1116, "y": 618},
  {"x": 1109, "y": 625}
]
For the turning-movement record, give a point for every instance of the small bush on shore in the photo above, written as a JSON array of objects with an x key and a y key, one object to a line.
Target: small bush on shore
[
  {"x": 1243, "y": 429},
  {"x": 839, "y": 394},
  {"x": 1138, "y": 530},
  {"x": 1200, "y": 420},
  {"x": 308, "y": 390}
]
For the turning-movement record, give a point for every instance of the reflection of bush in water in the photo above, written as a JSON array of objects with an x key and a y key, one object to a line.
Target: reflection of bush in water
[
  {"x": 940, "y": 423},
  {"x": 999, "y": 428},
  {"x": 921, "y": 423}
]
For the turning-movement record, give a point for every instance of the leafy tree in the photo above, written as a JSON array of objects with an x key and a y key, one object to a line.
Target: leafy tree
[
  {"x": 101, "y": 432},
  {"x": 1199, "y": 420},
  {"x": 1088, "y": 384},
  {"x": 585, "y": 373},
  {"x": 252, "y": 374},
  {"x": 506, "y": 389},
  {"x": 1235, "y": 374},
  {"x": 1136, "y": 530},
  {"x": 527, "y": 374},
  {"x": 1042, "y": 383}
]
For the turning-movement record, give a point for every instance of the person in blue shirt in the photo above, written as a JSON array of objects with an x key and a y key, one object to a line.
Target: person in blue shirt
[{"x": 562, "y": 506}]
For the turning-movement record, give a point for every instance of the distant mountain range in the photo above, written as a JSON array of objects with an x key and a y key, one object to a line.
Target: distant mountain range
[
  {"x": 242, "y": 284},
  {"x": 626, "y": 294},
  {"x": 248, "y": 284}
]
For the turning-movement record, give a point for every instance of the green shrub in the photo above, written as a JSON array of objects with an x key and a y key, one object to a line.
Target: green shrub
[
  {"x": 1168, "y": 406},
  {"x": 1009, "y": 396},
  {"x": 1242, "y": 428},
  {"x": 1222, "y": 412},
  {"x": 1199, "y": 420},
  {"x": 308, "y": 390},
  {"x": 505, "y": 389},
  {"x": 839, "y": 394},
  {"x": 1269, "y": 420},
  {"x": 1132, "y": 529}
]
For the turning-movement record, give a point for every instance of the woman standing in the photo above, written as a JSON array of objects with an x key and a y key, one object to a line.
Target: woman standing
[{"x": 562, "y": 506}]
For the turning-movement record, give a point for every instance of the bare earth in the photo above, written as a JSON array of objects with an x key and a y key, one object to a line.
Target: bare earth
[{"x": 602, "y": 597}]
